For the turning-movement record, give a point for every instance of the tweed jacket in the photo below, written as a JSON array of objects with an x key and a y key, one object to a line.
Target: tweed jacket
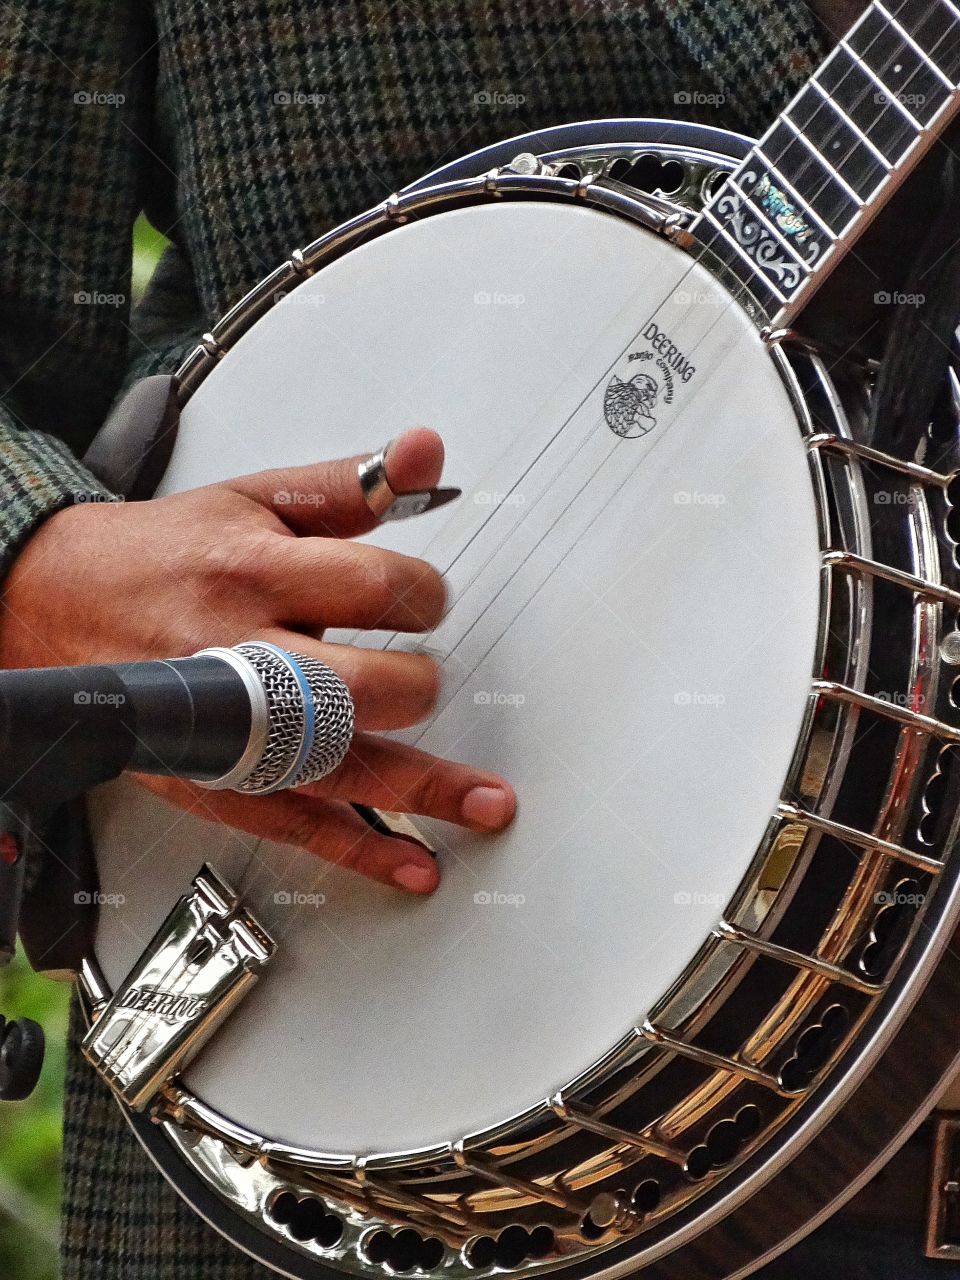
[{"x": 245, "y": 128}]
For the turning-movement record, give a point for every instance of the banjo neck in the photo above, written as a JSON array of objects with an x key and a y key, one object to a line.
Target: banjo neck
[{"x": 810, "y": 187}]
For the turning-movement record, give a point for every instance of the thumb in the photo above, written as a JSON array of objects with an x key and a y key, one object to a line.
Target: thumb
[{"x": 325, "y": 498}]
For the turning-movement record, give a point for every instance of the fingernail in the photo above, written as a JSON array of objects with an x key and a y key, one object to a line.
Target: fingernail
[
  {"x": 414, "y": 878},
  {"x": 486, "y": 807}
]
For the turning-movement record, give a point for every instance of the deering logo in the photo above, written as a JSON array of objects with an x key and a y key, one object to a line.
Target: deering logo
[
  {"x": 628, "y": 406},
  {"x": 629, "y": 403},
  {"x": 169, "y": 1006}
]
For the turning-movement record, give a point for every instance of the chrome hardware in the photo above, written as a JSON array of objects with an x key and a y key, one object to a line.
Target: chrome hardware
[
  {"x": 942, "y": 1237},
  {"x": 527, "y": 165},
  {"x": 852, "y": 563},
  {"x": 834, "y": 444},
  {"x": 538, "y": 1191},
  {"x": 584, "y": 1119},
  {"x": 774, "y": 337},
  {"x": 393, "y": 208},
  {"x": 734, "y": 1066},
  {"x": 903, "y": 715},
  {"x": 610, "y": 1212},
  {"x": 212, "y": 347},
  {"x": 299, "y": 264},
  {"x": 204, "y": 959},
  {"x": 862, "y": 839},
  {"x": 799, "y": 959},
  {"x": 564, "y": 1160}
]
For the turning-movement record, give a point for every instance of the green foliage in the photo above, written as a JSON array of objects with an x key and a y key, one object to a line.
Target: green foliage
[
  {"x": 31, "y": 1132},
  {"x": 148, "y": 245}
]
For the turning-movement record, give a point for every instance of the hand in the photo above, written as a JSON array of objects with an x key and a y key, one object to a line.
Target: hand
[{"x": 111, "y": 582}]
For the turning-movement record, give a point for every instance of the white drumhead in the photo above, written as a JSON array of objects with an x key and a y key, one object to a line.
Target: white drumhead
[{"x": 631, "y": 643}]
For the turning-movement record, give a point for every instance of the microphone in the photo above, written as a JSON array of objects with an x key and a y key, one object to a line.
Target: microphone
[{"x": 253, "y": 718}]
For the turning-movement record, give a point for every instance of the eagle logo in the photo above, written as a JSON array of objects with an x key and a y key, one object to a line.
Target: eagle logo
[{"x": 628, "y": 406}]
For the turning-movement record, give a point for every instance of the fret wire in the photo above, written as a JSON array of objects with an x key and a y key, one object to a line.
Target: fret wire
[
  {"x": 888, "y": 96},
  {"x": 788, "y": 186},
  {"x": 852, "y": 124},
  {"x": 948, "y": 105},
  {"x": 798, "y": 96},
  {"x": 818, "y": 155},
  {"x": 781, "y": 239},
  {"x": 892, "y": 99},
  {"x": 926, "y": 55},
  {"x": 807, "y": 203},
  {"x": 857, "y": 60},
  {"x": 927, "y": 59},
  {"x": 753, "y": 267},
  {"x": 840, "y": 112},
  {"x": 889, "y": 100}
]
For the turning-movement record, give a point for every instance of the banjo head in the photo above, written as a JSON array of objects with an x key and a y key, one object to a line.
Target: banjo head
[{"x": 616, "y": 990}]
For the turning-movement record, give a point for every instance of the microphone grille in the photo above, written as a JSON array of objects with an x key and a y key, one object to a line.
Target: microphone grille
[{"x": 310, "y": 719}]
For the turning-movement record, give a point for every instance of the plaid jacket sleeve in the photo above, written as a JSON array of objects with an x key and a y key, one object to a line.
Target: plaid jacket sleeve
[{"x": 74, "y": 79}]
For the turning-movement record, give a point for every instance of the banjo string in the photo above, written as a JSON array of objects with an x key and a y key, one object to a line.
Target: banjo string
[
  {"x": 479, "y": 531},
  {"x": 858, "y": 101},
  {"x": 497, "y": 549},
  {"x": 803, "y": 169},
  {"x": 484, "y": 526},
  {"x": 323, "y": 869}
]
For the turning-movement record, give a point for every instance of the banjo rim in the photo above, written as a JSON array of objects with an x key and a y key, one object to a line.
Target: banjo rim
[{"x": 611, "y": 1258}]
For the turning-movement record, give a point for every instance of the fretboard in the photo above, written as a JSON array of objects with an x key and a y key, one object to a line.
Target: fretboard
[{"x": 826, "y": 166}]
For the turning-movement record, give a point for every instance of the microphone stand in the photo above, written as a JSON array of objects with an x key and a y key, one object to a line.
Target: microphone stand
[
  {"x": 44, "y": 773},
  {"x": 21, "y": 1040}
]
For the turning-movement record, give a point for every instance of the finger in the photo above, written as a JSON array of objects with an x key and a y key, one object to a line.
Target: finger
[
  {"x": 331, "y": 831},
  {"x": 319, "y": 583},
  {"x": 325, "y": 498},
  {"x": 390, "y": 690},
  {"x": 400, "y": 779}
]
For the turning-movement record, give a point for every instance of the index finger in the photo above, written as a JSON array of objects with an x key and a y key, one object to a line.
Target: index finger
[{"x": 325, "y": 498}]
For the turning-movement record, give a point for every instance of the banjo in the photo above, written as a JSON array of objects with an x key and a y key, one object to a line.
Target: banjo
[{"x": 669, "y": 1019}]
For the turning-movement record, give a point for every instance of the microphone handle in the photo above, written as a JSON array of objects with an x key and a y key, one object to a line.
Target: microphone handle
[
  {"x": 64, "y": 729},
  {"x": 193, "y": 716}
]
